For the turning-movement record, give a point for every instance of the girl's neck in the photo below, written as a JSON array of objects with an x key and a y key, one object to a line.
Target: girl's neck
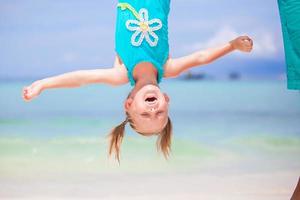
[{"x": 144, "y": 74}]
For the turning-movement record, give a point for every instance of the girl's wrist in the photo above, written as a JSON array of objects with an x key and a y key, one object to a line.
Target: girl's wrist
[
  {"x": 43, "y": 83},
  {"x": 232, "y": 46}
]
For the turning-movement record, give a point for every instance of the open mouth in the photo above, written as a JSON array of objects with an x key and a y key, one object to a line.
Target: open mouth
[{"x": 151, "y": 99}]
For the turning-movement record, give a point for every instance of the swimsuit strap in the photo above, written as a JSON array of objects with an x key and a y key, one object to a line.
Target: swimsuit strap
[{"x": 125, "y": 6}]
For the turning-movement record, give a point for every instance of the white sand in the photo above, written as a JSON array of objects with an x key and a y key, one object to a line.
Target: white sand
[{"x": 159, "y": 186}]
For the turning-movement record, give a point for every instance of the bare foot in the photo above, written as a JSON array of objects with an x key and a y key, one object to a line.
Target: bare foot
[{"x": 32, "y": 91}]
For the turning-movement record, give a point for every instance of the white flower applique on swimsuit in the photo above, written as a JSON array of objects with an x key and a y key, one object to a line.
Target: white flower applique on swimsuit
[{"x": 143, "y": 27}]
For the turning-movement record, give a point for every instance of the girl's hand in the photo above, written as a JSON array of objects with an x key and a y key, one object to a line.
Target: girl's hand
[
  {"x": 242, "y": 43},
  {"x": 32, "y": 91}
]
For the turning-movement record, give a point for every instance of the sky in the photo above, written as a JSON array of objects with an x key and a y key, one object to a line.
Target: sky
[{"x": 40, "y": 38}]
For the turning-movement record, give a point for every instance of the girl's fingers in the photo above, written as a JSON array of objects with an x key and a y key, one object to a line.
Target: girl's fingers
[
  {"x": 247, "y": 47},
  {"x": 25, "y": 92},
  {"x": 251, "y": 41},
  {"x": 247, "y": 44},
  {"x": 26, "y": 99},
  {"x": 247, "y": 41},
  {"x": 27, "y": 88},
  {"x": 245, "y": 38}
]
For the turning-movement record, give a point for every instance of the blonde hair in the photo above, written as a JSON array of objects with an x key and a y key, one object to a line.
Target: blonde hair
[{"x": 116, "y": 136}]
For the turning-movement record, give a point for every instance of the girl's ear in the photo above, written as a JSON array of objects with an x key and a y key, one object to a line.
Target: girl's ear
[
  {"x": 128, "y": 103},
  {"x": 167, "y": 97}
]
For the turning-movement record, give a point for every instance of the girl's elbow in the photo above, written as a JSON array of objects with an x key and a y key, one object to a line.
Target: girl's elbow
[
  {"x": 207, "y": 61},
  {"x": 172, "y": 74},
  {"x": 117, "y": 82},
  {"x": 204, "y": 59}
]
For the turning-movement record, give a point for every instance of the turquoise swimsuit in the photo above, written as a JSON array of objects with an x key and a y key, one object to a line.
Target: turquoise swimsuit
[{"x": 142, "y": 34}]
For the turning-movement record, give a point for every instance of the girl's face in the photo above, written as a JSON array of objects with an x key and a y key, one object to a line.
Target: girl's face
[{"x": 148, "y": 109}]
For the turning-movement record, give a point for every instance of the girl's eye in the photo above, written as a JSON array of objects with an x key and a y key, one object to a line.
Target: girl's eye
[
  {"x": 160, "y": 113},
  {"x": 145, "y": 115}
]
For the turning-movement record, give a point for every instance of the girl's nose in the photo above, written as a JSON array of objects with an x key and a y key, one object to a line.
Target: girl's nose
[{"x": 152, "y": 109}]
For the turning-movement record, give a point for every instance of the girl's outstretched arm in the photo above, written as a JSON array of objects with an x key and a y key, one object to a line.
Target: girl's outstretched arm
[
  {"x": 175, "y": 67},
  {"x": 112, "y": 76}
]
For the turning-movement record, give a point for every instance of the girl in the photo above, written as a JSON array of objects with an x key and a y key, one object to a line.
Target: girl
[{"x": 143, "y": 60}]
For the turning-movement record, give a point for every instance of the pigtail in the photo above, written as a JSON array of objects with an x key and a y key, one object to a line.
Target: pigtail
[
  {"x": 163, "y": 142},
  {"x": 116, "y": 137}
]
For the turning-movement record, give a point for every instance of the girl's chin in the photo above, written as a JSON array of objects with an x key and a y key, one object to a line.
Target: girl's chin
[
  {"x": 149, "y": 91},
  {"x": 150, "y": 87}
]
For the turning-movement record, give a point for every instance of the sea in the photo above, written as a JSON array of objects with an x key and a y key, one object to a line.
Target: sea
[{"x": 219, "y": 127}]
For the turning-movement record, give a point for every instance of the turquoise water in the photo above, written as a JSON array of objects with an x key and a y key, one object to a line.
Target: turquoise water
[{"x": 65, "y": 129}]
